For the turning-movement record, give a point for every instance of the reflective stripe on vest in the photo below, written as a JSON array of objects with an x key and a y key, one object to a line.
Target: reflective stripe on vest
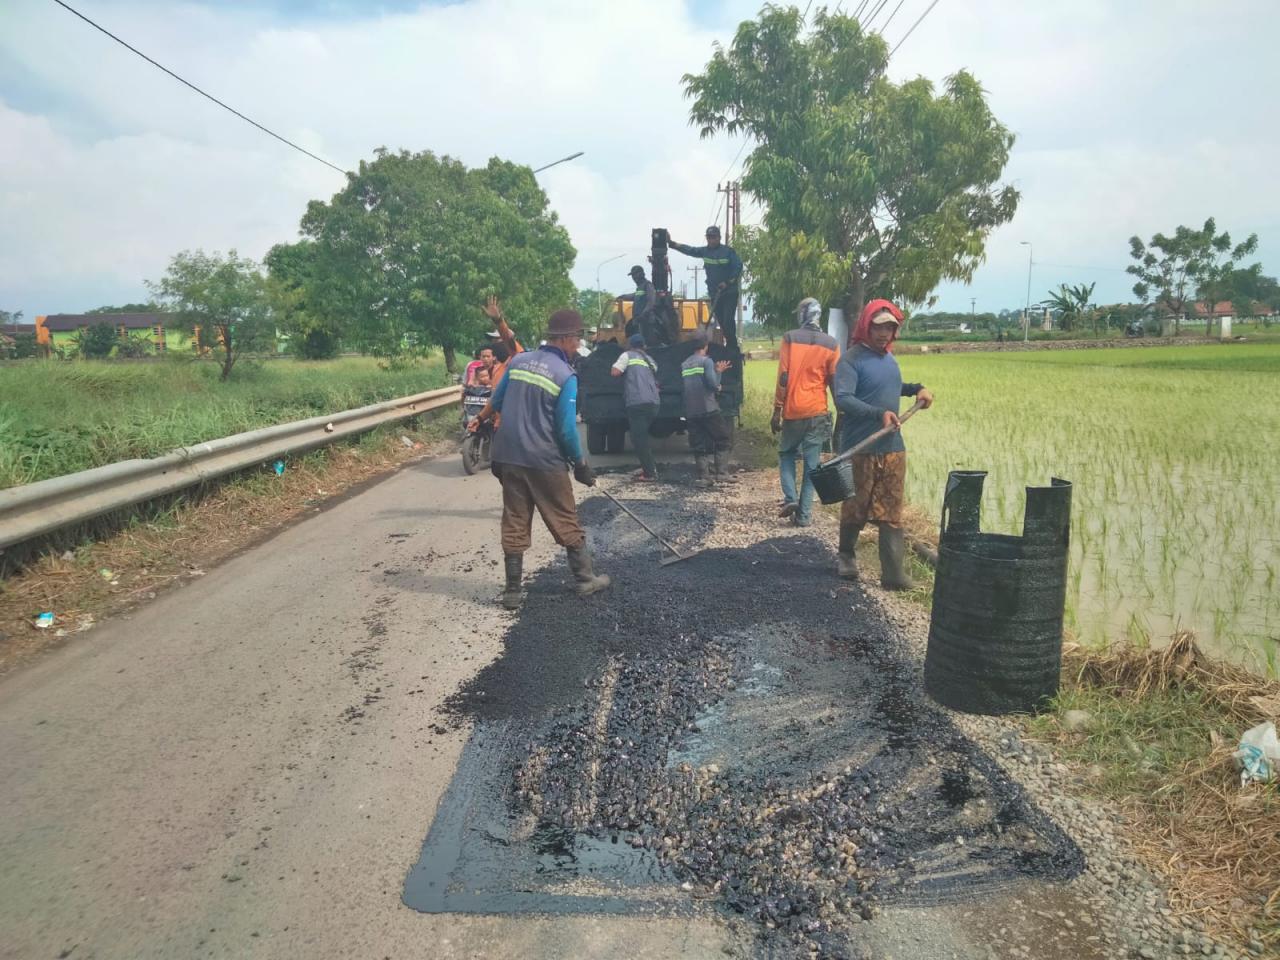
[
  {"x": 711, "y": 262},
  {"x": 537, "y": 379},
  {"x": 634, "y": 362},
  {"x": 692, "y": 371}
]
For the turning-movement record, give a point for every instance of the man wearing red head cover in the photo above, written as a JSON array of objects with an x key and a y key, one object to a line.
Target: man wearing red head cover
[{"x": 868, "y": 387}]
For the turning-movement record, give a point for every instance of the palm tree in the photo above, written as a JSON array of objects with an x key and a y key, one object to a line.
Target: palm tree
[{"x": 1072, "y": 303}]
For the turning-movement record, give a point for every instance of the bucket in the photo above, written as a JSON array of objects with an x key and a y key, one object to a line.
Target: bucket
[{"x": 833, "y": 481}]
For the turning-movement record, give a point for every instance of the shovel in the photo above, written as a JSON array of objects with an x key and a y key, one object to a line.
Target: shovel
[{"x": 665, "y": 561}]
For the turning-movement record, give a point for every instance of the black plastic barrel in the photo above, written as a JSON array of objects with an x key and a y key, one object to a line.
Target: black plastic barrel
[
  {"x": 833, "y": 481},
  {"x": 995, "y": 635}
]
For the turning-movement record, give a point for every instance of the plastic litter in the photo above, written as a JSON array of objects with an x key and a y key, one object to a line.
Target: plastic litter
[
  {"x": 278, "y": 467},
  {"x": 1258, "y": 754},
  {"x": 106, "y": 574},
  {"x": 406, "y": 442},
  {"x": 44, "y": 620}
]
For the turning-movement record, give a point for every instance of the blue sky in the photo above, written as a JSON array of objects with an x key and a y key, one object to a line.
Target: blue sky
[{"x": 1131, "y": 118}]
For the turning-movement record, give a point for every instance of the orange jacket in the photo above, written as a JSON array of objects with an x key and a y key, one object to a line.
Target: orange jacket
[{"x": 806, "y": 371}]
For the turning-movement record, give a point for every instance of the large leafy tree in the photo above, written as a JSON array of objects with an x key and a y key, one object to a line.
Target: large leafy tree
[
  {"x": 315, "y": 333},
  {"x": 782, "y": 269},
  {"x": 897, "y": 181},
  {"x": 1170, "y": 269},
  {"x": 414, "y": 243},
  {"x": 225, "y": 296}
]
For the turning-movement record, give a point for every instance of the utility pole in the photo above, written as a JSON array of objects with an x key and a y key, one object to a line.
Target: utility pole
[
  {"x": 695, "y": 271},
  {"x": 1026, "y": 313},
  {"x": 973, "y": 307},
  {"x": 732, "y": 221}
]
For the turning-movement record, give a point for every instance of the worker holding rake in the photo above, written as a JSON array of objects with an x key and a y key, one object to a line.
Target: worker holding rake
[{"x": 868, "y": 388}]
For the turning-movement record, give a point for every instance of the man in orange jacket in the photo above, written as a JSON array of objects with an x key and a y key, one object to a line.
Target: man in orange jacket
[{"x": 806, "y": 373}]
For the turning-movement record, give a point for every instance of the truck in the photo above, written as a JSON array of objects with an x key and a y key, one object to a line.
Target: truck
[{"x": 678, "y": 321}]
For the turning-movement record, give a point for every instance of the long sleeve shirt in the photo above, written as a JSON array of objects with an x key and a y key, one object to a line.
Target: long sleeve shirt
[
  {"x": 643, "y": 300},
  {"x": 567, "y": 438},
  {"x": 868, "y": 383},
  {"x": 722, "y": 264}
]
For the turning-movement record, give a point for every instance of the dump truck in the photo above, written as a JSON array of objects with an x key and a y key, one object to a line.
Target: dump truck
[{"x": 678, "y": 320}]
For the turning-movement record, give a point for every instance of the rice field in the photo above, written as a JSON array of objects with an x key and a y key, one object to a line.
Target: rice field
[
  {"x": 60, "y": 417},
  {"x": 1174, "y": 453}
]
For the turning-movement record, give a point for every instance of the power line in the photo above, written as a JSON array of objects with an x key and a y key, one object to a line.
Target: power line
[
  {"x": 725, "y": 176},
  {"x": 905, "y": 35},
  {"x": 187, "y": 83},
  {"x": 871, "y": 17},
  {"x": 885, "y": 25}
]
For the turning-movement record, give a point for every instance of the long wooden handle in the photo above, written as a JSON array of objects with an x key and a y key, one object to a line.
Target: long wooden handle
[
  {"x": 653, "y": 533},
  {"x": 882, "y": 432}
]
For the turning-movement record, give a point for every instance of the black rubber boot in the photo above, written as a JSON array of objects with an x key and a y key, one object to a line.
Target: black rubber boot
[
  {"x": 847, "y": 558},
  {"x": 589, "y": 581},
  {"x": 512, "y": 596},
  {"x": 721, "y": 468},
  {"x": 893, "y": 559},
  {"x": 704, "y": 471}
]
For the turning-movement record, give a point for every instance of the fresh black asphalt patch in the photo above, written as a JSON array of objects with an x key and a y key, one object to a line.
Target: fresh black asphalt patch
[{"x": 739, "y": 732}]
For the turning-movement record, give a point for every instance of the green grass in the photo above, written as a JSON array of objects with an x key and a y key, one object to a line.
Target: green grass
[
  {"x": 1174, "y": 458},
  {"x": 58, "y": 418}
]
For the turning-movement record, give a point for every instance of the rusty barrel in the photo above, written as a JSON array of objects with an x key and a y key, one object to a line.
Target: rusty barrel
[{"x": 995, "y": 633}]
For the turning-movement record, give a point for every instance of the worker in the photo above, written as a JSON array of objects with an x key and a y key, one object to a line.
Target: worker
[
  {"x": 868, "y": 389},
  {"x": 710, "y": 434},
  {"x": 639, "y": 375},
  {"x": 723, "y": 270},
  {"x": 645, "y": 319},
  {"x": 538, "y": 400},
  {"x": 806, "y": 372}
]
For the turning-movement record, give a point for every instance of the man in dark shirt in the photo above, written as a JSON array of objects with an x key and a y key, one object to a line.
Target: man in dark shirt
[
  {"x": 710, "y": 434},
  {"x": 723, "y": 270},
  {"x": 645, "y": 320}
]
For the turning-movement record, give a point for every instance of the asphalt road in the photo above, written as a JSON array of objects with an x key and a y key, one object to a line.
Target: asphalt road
[{"x": 248, "y": 766}]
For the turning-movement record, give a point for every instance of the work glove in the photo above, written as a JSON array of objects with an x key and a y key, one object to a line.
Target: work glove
[
  {"x": 583, "y": 473},
  {"x": 775, "y": 424}
]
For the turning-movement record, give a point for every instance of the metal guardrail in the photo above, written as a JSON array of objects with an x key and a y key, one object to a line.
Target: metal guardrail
[{"x": 36, "y": 509}]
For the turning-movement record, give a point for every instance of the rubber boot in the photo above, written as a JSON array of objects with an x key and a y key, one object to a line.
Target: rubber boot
[
  {"x": 893, "y": 559},
  {"x": 847, "y": 558},
  {"x": 589, "y": 581},
  {"x": 722, "y": 468},
  {"x": 704, "y": 471},
  {"x": 512, "y": 596}
]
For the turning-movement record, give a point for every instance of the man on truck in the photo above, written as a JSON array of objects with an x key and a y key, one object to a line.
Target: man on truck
[
  {"x": 723, "y": 269},
  {"x": 806, "y": 372},
  {"x": 538, "y": 442},
  {"x": 710, "y": 434},
  {"x": 868, "y": 391},
  {"x": 644, "y": 313}
]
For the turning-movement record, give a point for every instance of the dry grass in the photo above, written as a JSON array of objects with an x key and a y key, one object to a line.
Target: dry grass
[
  {"x": 1218, "y": 844},
  {"x": 108, "y": 576}
]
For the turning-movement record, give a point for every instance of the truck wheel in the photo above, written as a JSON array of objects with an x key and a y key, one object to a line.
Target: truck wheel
[
  {"x": 615, "y": 438},
  {"x": 596, "y": 438}
]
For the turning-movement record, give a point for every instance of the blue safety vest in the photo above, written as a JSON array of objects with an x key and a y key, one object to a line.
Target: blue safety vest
[{"x": 527, "y": 437}]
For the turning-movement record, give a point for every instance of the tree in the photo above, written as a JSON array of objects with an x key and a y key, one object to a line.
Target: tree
[
  {"x": 595, "y": 305},
  {"x": 225, "y": 297},
  {"x": 782, "y": 268},
  {"x": 10, "y": 318},
  {"x": 411, "y": 247},
  {"x": 95, "y": 342},
  {"x": 314, "y": 332},
  {"x": 896, "y": 182},
  {"x": 126, "y": 308},
  {"x": 1170, "y": 268},
  {"x": 1072, "y": 304}
]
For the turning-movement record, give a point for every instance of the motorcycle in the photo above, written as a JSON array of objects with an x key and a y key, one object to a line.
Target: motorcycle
[{"x": 476, "y": 444}]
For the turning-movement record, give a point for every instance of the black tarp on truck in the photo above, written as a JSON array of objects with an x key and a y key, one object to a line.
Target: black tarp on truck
[{"x": 600, "y": 403}]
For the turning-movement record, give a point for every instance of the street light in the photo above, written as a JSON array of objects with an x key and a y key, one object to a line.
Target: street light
[
  {"x": 1026, "y": 313},
  {"x": 598, "y": 290},
  {"x": 572, "y": 156}
]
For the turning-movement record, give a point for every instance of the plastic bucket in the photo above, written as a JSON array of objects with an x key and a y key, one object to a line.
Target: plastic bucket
[{"x": 833, "y": 481}]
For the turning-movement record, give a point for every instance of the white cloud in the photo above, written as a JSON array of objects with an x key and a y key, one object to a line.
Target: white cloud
[{"x": 109, "y": 167}]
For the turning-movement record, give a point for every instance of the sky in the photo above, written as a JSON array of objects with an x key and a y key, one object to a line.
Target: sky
[{"x": 1131, "y": 116}]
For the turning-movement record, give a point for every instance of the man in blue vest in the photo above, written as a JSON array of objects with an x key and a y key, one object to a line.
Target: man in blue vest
[
  {"x": 640, "y": 397},
  {"x": 723, "y": 269},
  {"x": 710, "y": 434},
  {"x": 532, "y": 453}
]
